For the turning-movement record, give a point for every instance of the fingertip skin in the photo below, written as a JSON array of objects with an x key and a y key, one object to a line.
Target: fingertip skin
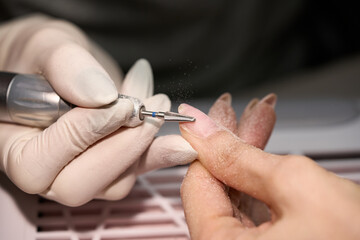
[
  {"x": 258, "y": 112},
  {"x": 201, "y": 194},
  {"x": 139, "y": 81},
  {"x": 256, "y": 123}
]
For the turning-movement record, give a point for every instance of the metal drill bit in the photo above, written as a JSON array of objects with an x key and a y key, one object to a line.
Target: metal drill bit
[{"x": 167, "y": 116}]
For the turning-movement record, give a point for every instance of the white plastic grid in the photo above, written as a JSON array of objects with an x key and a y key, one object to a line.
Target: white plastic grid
[{"x": 151, "y": 211}]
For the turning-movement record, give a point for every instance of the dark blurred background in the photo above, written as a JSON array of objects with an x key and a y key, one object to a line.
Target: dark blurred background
[{"x": 203, "y": 48}]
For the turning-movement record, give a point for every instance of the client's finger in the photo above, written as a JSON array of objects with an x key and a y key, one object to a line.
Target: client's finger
[
  {"x": 228, "y": 158},
  {"x": 255, "y": 127},
  {"x": 222, "y": 112},
  {"x": 208, "y": 209},
  {"x": 257, "y": 121}
]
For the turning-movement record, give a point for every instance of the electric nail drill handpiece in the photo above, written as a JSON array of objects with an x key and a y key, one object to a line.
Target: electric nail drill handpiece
[{"x": 30, "y": 100}]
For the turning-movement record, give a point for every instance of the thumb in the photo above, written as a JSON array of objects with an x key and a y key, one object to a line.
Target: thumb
[
  {"x": 77, "y": 77},
  {"x": 60, "y": 52},
  {"x": 228, "y": 158}
]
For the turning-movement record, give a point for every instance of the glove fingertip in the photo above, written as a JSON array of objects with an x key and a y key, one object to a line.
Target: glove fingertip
[
  {"x": 77, "y": 77},
  {"x": 139, "y": 81},
  {"x": 158, "y": 102},
  {"x": 166, "y": 151}
]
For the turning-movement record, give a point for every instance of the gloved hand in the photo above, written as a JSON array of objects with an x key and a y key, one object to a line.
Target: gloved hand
[{"x": 86, "y": 154}]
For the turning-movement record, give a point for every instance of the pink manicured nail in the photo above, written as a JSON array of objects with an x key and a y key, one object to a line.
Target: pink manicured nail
[
  {"x": 252, "y": 103},
  {"x": 270, "y": 99},
  {"x": 202, "y": 127},
  {"x": 226, "y": 97}
]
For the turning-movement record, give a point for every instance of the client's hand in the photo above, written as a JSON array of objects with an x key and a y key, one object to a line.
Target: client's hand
[{"x": 305, "y": 201}]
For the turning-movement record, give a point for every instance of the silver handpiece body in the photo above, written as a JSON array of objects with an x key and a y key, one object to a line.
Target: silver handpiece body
[{"x": 30, "y": 100}]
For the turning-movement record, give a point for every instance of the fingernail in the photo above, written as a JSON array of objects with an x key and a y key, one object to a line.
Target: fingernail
[
  {"x": 202, "y": 127},
  {"x": 251, "y": 105},
  {"x": 139, "y": 80},
  {"x": 270, "y": 99},
  {"x": 226, "y": 97}
]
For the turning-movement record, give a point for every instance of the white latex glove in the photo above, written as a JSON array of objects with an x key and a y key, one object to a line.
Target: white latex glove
[{"x": 85, "y": 154}]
